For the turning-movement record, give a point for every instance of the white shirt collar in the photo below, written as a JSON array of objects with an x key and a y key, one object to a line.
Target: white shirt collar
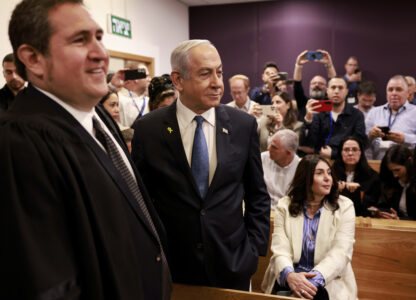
[
  {"x": 186, "y": 116},
  {"x": 83, "y": 117}
]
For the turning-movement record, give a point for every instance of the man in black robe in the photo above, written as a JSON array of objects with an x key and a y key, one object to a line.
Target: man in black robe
[
  {"x": 76, "y": 221},
  {"x": 14, "y": 83}
]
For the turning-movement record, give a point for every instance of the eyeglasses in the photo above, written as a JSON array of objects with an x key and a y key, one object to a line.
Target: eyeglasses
[{"x": 353, "y": 150}]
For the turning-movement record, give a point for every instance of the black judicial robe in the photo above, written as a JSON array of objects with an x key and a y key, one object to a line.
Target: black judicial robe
[{"x": 70, "y": 228}]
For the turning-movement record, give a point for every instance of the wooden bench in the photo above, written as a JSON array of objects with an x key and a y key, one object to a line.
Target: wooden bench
[
  {"x": 384, "y": 263},
  {"x": 191, "y": 292}
]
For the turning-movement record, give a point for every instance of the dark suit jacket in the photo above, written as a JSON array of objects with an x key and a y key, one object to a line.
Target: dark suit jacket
[
  {"x": 70, "y": 227},
  {"x": 349, "y": 122},
  {"x": 210, "y": 240}
]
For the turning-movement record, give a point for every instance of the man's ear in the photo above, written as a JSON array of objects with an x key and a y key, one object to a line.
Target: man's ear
[
  {"x": 32, "y": 59},
  {"x": 177, "y": 80}
]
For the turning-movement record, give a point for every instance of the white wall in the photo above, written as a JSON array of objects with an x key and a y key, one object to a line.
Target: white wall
[{"x": 158, "y": 26}]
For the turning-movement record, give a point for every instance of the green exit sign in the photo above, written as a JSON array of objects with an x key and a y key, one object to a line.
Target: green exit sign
[{"x": 119, "y": 26}]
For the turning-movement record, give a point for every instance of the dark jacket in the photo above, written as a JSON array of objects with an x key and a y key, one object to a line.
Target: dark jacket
[{"x": 349, "y": 122}]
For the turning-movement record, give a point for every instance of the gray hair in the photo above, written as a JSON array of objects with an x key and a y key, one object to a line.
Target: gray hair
[
  {"x": 399, "y": 77},
  {"x": 288, "y": 139},
  {"x": 179, "y": 58}
]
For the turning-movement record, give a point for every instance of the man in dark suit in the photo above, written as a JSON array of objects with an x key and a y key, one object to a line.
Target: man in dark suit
[
  {"x": 76, "y": 221},
  {"x": 200, "y": 162}
]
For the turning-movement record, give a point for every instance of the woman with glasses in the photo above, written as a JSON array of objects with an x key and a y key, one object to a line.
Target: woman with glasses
[
  {"x": 313, "y": 237},
  {"x": 357, "y": 180}
]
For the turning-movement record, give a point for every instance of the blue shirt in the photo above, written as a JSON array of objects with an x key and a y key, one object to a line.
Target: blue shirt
[
  {"x": 306, "y": 262},
  {"x": 403, "y": 121}
]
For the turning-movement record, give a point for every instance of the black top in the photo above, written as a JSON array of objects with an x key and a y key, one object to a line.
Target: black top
[
  {"x": 367, "y": 194},
  {"x": 6, "y": 98}
]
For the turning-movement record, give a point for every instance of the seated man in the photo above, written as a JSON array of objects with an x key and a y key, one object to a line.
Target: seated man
[
  {"x": 240, "y": 86},
  {"x": 262, "y": 94},
  {"x": 325, "y": 130},
  {"x": 397, "y": 116},
  {"x": 366, "y": 94},
  {"x": 14, "y": 83},
  {"x": 317, "y": 86},
  {"x": 279, "y": 163}
]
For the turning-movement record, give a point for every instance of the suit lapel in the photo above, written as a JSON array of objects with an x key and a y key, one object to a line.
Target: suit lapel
[
  {"x": 172, "y": 135},
  {"x": 114, "y": 173},
  {"x": 224, "y": 146},
  {"x": 297, "y": 234}
]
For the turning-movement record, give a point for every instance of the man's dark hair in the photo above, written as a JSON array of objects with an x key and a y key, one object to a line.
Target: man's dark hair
[
  {"x": 367, "y": 88},
  {"x": 8, "y": 58},
  {"x": 30, "y": 25},
  {"x": 338, "y": 77},
  {"x": 270, "y": 64}
]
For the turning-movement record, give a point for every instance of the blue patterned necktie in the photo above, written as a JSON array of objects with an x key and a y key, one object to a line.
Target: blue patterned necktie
[{"x": 200, "y": 159}]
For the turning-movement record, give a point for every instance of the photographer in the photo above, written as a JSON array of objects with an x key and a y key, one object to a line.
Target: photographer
[
  {"x": 261, "y": 94},
  {"x": 317, "y": 86}
]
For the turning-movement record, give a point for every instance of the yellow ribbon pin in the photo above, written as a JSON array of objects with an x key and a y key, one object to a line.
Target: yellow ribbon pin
[{"x": 170, "y": 130}]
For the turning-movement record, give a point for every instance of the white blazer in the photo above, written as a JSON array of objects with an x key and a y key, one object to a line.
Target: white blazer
[{"x": 333, "y": 249}]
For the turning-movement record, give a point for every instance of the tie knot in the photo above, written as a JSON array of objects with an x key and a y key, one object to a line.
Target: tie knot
[{"x": 199, "y": 120}]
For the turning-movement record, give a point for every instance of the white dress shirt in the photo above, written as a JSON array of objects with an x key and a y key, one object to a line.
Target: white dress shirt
[
  {"x": 187, "y": 126},
  {"x": 85, "y": 119},
  {"x": 277, "y": 179},
  {"x": 130, "y": 106},
  {"x": 246, "y": 107}
]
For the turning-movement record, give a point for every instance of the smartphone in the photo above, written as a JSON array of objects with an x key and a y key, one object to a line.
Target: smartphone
[
  {"x": 326, "y": 105},
  {"x": 268, "y": 109},
  {"x": 357, "y": 71},
  {"x": 314, "y": 55},
  {"x": 385, "y": 129},
  {"x": 282, "y": 75},
  {"x": 134, "y": 74}
]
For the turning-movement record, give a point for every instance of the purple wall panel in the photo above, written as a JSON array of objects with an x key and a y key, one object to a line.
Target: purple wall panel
[{"x": 381, "y": 35}]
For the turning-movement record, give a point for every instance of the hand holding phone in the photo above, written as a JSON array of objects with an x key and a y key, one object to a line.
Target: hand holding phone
[
  {"x": 314, "y": 55},
  {"x": 268, "y": 109},
  {"x": 385, "y": 130},
  {"x": 282, "y": 75},
  {"x": 325, "y": 105}
]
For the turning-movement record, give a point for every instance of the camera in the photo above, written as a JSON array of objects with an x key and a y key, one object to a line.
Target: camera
[{"x": 282, "y": 75}]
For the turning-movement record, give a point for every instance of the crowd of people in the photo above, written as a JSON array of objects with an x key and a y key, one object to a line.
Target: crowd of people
[{"x": 116, "y": 184}]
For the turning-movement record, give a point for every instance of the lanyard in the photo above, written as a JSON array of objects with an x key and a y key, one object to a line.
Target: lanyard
[
  {"x": 330, "y": 130},
  {"x": 134, "y": 102},
  {"x": 395, "y": 116}
]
